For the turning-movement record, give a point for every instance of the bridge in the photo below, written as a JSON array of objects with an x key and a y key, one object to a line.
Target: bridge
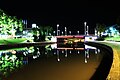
[{"x": 71, "y": 37}]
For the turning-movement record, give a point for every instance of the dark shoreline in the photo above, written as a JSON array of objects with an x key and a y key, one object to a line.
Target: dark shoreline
[{"x": 20, "y": 45}]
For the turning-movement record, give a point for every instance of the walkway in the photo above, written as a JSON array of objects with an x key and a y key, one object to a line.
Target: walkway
[{"x": 114, "y": 73}]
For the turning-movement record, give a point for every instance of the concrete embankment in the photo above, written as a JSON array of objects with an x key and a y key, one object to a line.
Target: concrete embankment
[{"x": 105, "y": 65}]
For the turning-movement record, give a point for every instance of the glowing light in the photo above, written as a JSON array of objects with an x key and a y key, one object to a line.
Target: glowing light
[
  {"x": 45, "y": 52},
  {"x": 54, "y": 39},
  {"x": 54, "y": 46},
  {"x": 78, "y": 52},
  {"x": 96, "y": 51},
  {"x": 70, "y": 51},
  {"x": 58, "y": 59},
  {"x": 34, "y": 25},
  {"x": 34, "y": 57},
  {"x": 72, "y": 48},
  {"x": 54, "y": 52},
  {"x": 62, "y": 51},
  {"x": 88, "y": 56},
  {"x": 89, "y": 47},
  {"x": 85, "y": 60}
]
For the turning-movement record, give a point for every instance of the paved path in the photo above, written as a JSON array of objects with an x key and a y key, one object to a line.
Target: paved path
[{"x": 114, "y": 73}]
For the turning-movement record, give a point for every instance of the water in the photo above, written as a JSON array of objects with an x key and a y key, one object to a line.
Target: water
[{"x": 51, "y": 62}]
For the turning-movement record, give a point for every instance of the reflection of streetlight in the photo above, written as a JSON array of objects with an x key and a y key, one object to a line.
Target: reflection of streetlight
[
  {"x": 85, "y": 56},
  {"x": 70, "y": 51},
  {"x": 58, "y": 57},
  {"x": 62, "y": 51},
  {"x": 87, "y": 53},
  {"x": 85, "y": 60},
  {"x": 66, "y": 53},
  {"x": 78, "y": 52},
  {"x": 96, "y": 51}
]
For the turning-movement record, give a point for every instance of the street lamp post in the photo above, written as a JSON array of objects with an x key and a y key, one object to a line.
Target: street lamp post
[
  {"x": 87, "y": 30},
  {"x": 95, "y": 32},
  {"x": 62, "y": 32},
  {"x": 54, "y": 33},
  {"x": 70, "y": 32},
  {"x": 65, "y": 31},
  {"x": 57, "y": 29},
  {"x": 78, "y": 32},
  {"x": 58, "y": 32},
  {"x": 85, "y": 27}
]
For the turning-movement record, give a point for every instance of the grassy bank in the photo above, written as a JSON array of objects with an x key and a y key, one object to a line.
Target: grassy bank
[
  {"x": 12, "y": 41},
  {"x": 113, "y": 38},
  {"x": 114, "y": 45}
]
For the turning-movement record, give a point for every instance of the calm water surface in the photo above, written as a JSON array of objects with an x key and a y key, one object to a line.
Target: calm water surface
[{"x": 51, "y": 62}]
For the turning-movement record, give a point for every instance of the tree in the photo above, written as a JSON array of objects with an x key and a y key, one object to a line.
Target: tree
[
  {"x": 100, "y": 28},
  {"x": 9, "y": 24}
]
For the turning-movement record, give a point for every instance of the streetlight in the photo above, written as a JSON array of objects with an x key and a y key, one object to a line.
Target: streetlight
[
  {"x": 95, "y": 32},
  {"x": 62, "y": 32},
  {"x": 78, "y": 32},
  {"x": 70, "y": 32},
  {"x": 57, "y": 29},
  {"x": 85, "y": 27},
  {"x": 65, "y": 31},
  {"x": 58, "y": 32},
  {"x": 87, "y": 30},
  {"x": 54, "y": 33}
]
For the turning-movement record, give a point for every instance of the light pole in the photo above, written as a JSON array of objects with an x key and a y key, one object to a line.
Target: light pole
[
  {"x": 62, "y": 32},
  {"x": 95, "y": 32},
  {"x": 70, "y": 32},
  {"x": 57, "y": 29},
  {"x": 54, "y": 33},
  {"x": 85, "y": 27},
  {"x": 58, "y": 32},
  {"x": 87, "y": 30},
  {"x": 65, "y": 31},
  {"x": 78, "y": 32}
]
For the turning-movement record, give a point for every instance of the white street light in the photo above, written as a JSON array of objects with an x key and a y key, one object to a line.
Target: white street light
[
  {"x": 54, "y": 33},
  {"x": 85, "y": 27},
  {"x": 78, "y": 32},
  {"x": 65, "y": 31},
  {"x": 62, "y": 32},
  {"x": 57, "y": 29},
  {"x": 70, "y": 32},
  {"x": 87, "y": 30}
]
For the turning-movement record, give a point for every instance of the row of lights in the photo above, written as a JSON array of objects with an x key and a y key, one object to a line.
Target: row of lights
[{"x": 85, "y": 28}]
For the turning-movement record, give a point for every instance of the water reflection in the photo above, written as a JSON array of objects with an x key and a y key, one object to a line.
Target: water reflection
[{"x": 10, "y": 60}]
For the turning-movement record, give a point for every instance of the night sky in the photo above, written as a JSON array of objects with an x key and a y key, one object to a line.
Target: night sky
[{"x": 69, "y": 14}]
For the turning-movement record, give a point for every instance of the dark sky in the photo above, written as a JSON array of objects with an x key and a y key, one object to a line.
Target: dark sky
[{"x": 70, "y": 14}]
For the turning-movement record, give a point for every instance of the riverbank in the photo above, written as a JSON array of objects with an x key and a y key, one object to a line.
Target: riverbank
[
  {"x": 27, "y": 44},
  {"x": 114, "y": 73},
  {"x": 103, "y": 70}
]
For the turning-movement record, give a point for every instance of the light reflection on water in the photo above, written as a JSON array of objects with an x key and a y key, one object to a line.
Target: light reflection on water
[{"x": 10, "y": 60}]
